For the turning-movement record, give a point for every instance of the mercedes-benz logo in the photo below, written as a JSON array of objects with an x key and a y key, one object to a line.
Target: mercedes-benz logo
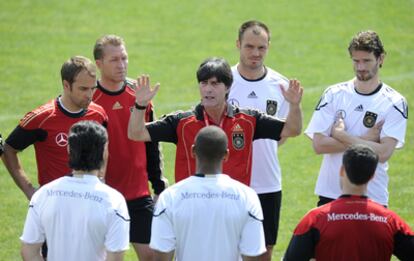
[{"x": 62, "y": 139}]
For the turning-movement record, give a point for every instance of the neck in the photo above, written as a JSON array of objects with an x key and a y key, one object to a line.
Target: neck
[
  {"x": 208, "y": 169},
  {"x": 68, "y": 104},
  {"x": 82, "y": 173},
  {"x": 367, "y": 87},
  {"x": 110, "y": 85},
  {"x": 353, "y": 189},
  {"x": 216, "y": 113},
  {"x": 251, "y": 73}
]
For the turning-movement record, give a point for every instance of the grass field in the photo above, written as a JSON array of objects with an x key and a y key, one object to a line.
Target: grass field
[{"x": 168, "y": 40}]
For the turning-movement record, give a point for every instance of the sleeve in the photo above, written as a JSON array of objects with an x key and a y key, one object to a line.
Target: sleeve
[
  {"x": 117, "y": 237},
  {"x": 1, "y": 145},
  {"x": 33, "y": 231},
  {"x": 163, "y": 238},
  {"x": 252, "y": 242},
  {"x": 304, "y": 240},
  {"x": 403, "y": 240},
  {"x": 323, "y": 117},
  {"x": 267, "y": 127},
  {"x": 154, "y": 162},
  {"x": 395, "y": 124},
  {"x": 21, "y": 138},
  {"x": 164, "y": 129}
]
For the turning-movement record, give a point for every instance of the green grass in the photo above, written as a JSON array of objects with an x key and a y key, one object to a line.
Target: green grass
[{"x": 168, "y": 40}]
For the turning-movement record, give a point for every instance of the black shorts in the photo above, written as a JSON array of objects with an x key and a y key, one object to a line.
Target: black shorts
[
  {"x": 271, "y": 203},
  {"x": 140, "y": 212}
]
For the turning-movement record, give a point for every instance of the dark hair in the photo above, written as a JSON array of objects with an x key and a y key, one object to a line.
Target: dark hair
[
  {"x": 215, "y": 67},
  {"x": 368, "y": 41},
  {"x": 72, "y": 67},
  {"x": 360, "y": 162},
  {"x": 210, "y": 144},
  {"x": 105, "y": 40},
  {"x": 87, "y": 141},
  {"x": 253, "y": 23}
]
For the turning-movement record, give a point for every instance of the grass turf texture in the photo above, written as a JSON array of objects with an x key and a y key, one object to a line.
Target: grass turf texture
[{"x": 168, "y": 40}]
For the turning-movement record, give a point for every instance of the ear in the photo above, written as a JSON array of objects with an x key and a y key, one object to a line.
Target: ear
[
  {"x": 238, "y": 43},
  {"x": 381, "y": 59},
  {"x": 98, "y": 63},
  {"x": 66, "y": 85},
  {"x": 342, "y": 171},
  {"x": 226, "y": 155},
  {"x": 193, "y": 155}
]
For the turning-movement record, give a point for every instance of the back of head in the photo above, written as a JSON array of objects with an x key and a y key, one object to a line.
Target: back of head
[
  {"x": 87, "y": 140},
  {"x": 109, "y": 39},
  {"x": 257, "y": 28},
  {"x": 367, "y": 41},
  {"x": 210, "y": 144},
  {"x": 215, "y": 67},
  {"x": 72, "y": 67},
  {"x": 360, "y": 163}
]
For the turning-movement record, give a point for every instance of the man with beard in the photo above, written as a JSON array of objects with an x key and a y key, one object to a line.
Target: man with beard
[
  {"x": 258, "y": 86},
  {"x": 363, "y": 110}
]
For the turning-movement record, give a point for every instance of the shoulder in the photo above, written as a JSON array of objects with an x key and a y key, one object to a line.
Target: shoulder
[
  {"x": 39, "y": 114},
  {"x": 342, "y": 87},
  {"x": 95, "y": 108},
  {"x": 392, "y": 94},
  {"x": 276, "y": 75}
]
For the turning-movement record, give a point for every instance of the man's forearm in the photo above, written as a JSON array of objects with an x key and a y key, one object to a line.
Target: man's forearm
[
  {"x": 12, "y": 163},
  {"x": 293, "y": 123},
  {"x": 136, "y": 126}
]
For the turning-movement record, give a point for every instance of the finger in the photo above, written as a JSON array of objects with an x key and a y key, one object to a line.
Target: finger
[{"x": 156, "y": 87}]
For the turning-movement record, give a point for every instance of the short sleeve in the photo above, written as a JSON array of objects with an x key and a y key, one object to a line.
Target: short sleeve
[
  {"x": 33, "y": 231},
  {"x": 117, "y": 237},
  {"x": 395, "y": 124},
  {"x": 323, "y": 116},
  {"x": 163, "y": 238},
  {"x": 252, "y": 242}
]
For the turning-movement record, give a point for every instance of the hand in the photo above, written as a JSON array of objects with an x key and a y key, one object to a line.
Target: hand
[
  {"x": 338, "y": 127},
  {"x": 373, "y": 134},
  {"x": 143, "y": 92},
  {"x": 294, "y": 92}
]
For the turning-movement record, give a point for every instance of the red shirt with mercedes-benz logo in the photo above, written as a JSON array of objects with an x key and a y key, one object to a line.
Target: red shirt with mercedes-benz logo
[{"x": 47, "y": 128}]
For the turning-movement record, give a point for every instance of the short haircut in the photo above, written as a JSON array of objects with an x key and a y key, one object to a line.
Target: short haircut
[
  {"x": 367, "y": 41},
  {"x": 257, "y": 27},
  {"x": 215, "y": 67},
  {"x": 109, "y": 39},
  {"x": 210, "y": 144},
  {"x": 72, "y": 67},
  {"x": 87, "y": 141},
  {"x": 360, "y": 162}
]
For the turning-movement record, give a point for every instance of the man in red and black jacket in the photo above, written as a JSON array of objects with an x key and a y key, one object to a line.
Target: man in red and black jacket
[{"x": 352, "y": 227}]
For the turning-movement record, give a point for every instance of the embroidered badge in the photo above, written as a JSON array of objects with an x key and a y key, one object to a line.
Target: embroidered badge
[
  {"x": 369, "y": 119},
  {"x": 237, "y": 137},
  {"x": 271, "y": 107}
]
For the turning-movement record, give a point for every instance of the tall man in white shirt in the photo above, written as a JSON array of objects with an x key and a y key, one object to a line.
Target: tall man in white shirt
[
  {"x": 208, "y": 216},
  {"x": 81, "y": 217},
  {"x": 257, "y": 86},
  {"x": 363, "y": 110}
]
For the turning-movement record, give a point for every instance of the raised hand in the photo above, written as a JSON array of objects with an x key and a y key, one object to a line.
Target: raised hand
[
  {"x": 143, "y": 91},
  {"x": 294, "y": 92}
]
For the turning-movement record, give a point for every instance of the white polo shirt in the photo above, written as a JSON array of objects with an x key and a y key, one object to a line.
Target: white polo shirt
[
  {"x": 208, "y": 218},
  {"x": 360, "y": 112},
  {"x": 263, "y": 94},
  {"x": 79, "y": 218}
]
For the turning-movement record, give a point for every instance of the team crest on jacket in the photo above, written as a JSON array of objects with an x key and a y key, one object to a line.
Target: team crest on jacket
[
  {"x": 369, "y": 119},
  {"x": 271, "y": 107},
  {"x": 237, "y": 137}
]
